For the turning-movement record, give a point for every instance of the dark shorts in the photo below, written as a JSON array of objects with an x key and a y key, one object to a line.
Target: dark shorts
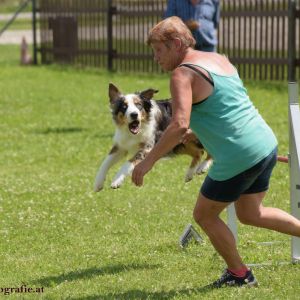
[{"x": 253, "y": 180}]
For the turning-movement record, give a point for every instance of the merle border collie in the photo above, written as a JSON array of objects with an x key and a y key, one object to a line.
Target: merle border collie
[{"x": 140, "y": 122}]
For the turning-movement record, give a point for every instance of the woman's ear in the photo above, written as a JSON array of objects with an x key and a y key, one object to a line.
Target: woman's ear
[{"x": 177, "y": 43}]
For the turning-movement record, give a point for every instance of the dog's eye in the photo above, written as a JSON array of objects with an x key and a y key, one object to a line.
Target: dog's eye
[
  {"x": 139, "y": 106},
  {"x": 124, "y": 106},
  {"x": 120, "y": 106}
]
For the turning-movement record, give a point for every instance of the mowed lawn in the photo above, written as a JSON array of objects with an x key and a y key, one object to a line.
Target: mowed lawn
[{"x": 57, "y": 234}]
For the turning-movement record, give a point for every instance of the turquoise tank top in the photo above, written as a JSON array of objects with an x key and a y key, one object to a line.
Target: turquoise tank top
[{"x": 230, "y": 127}]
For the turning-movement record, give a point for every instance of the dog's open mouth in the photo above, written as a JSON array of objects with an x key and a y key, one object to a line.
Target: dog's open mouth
[{"x": 134, "y": 127}]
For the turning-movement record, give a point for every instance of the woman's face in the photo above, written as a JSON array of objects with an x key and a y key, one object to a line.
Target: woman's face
[{"x": 164, "y": 55}]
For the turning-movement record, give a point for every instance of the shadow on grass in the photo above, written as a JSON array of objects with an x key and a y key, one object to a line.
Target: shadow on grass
[
  {"x": 52, "y": 281},
  {"x": 60, "y": 130},
  {"x": 103, "y": 135},
  {"x": 140, "y": 295}
]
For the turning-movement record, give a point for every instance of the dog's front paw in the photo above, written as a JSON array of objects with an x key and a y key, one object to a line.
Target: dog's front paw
[
  {"x": 203, "y": 167},
  {"x": 116, "y": 184},
  {"x": 189, "y": 175},
  {"x": 99, "y": 183},
  {"x": 98, "y": 187}
]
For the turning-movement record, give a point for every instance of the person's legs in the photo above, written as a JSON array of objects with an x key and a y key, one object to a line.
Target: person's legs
[
  {"x": 206, "y": 214},
  {"x": 250, "y": 211},
  {"x": 247, "y": 191}
]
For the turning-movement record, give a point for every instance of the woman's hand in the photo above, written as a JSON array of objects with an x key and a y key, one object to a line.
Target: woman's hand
[
  {"x": 192, "y": 24},
  {"x": 194, "y": 2},
  {"x": 189, "y": 136},
  {"x": 140, "y": 171}
]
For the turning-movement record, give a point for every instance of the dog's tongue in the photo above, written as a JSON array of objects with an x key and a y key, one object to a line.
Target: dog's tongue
[
  {"x": 134, "y": 130},
  {"x": 134, "y": 127}
]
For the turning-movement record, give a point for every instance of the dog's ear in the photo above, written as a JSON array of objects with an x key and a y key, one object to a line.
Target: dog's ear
[
  {"x": 148, "y": 94},
  {"x": 147, "y": 105},
  {"x": 113, "y": 93}
]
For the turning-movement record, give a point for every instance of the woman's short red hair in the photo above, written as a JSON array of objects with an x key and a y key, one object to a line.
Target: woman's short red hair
[{"x": 170, "y": 29}]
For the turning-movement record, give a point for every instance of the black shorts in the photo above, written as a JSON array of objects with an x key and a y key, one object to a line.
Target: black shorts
[{"x": 253, "y": 180}]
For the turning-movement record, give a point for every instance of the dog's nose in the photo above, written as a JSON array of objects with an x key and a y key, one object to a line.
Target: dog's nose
[{"x": 134, "y": 116}]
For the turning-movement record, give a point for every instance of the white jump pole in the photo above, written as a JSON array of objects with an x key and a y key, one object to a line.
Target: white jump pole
[
  {"x": 294, "y": 162},
  {"x": 231, "y": 221}
]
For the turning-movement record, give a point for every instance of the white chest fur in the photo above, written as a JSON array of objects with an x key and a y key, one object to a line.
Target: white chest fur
[{"x": 131, "y": 143}]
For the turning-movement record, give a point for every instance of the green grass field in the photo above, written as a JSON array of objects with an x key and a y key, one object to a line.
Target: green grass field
[
  {"x": 10, "y": 6},
  {"x": 57, "y": 234},
  {"x": 18, "y": 24}
]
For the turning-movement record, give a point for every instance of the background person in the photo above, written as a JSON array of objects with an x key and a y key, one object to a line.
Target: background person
[
  {"x": 208, "y": 96},
  {"x": 202, "y": 18}
]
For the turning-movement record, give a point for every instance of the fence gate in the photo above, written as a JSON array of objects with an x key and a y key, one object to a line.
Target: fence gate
[
  {"x": 261, "y": 37},
  {"x": 255, "y": 34},
  {"x": 104, "y": 33}
]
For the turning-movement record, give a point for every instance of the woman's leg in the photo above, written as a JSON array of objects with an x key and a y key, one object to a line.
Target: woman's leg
[
  {"x": 249, "y": 210},
  {"x": 206, "y": 214}
]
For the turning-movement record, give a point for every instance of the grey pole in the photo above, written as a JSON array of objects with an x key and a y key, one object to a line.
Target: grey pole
[
  {"x": 231, "y": 221},
  {"x": 292, "y": 41},
  {"x": 294, "y": 162},
  {"x": 34, "y": 31},
  {"x": 110, "y": 10}
]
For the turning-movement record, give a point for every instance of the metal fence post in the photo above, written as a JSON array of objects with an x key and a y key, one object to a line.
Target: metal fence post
[
  {"x": 109, "y": 35},
  {"x": 34, "y": 31},
  {"x": 294, "y": 162},
  {"x": 292, "y": 41}
]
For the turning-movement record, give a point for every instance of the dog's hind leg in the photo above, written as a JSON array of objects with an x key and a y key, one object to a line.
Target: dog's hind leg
[
  {"x": 195, "y": 152},
  {"x": 192, "y": 169},
  {"x": 205, "y": 165},
  {"x": 114, "y": 156}
]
